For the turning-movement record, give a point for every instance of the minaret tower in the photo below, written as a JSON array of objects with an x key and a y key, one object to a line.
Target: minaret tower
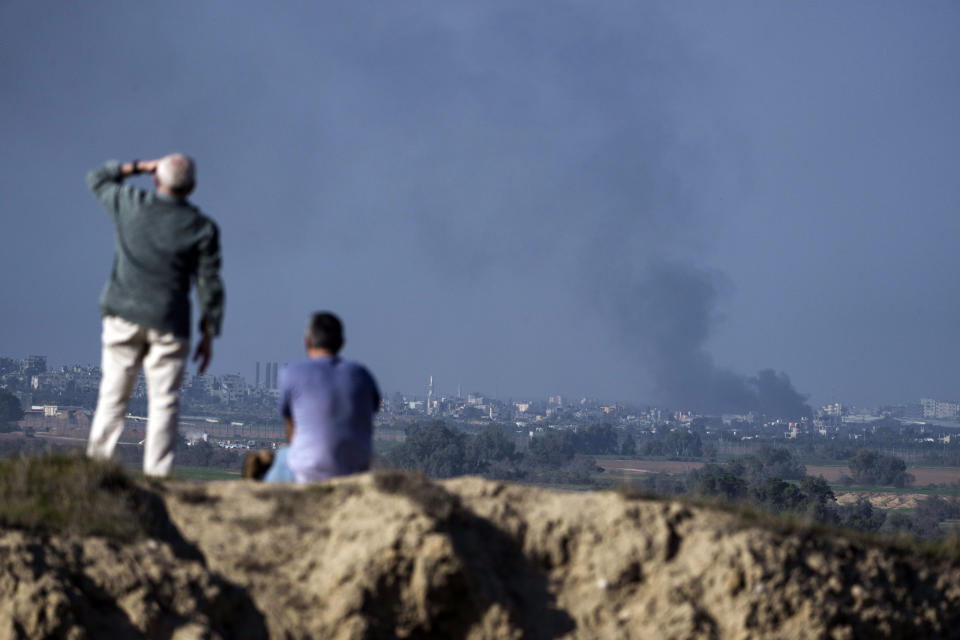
[{"x": 430, "y": 396}]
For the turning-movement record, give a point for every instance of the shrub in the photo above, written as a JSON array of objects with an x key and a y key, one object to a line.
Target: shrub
[
  {"x": 434, "y": 449},
  {"x": 724, "y": 482},
  {"x": 873, "y": 467}
]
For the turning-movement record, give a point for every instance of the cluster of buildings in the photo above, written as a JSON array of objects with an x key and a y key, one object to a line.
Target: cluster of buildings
[
  {"x": 40, "y": 388},
  {"x": 477, "y": 408},
  {"x": 232, "y": 402},
  {"x": 930, "y": 408},
  {"x": 30, "y": 376},
  {"x": 269, "y": 380}
]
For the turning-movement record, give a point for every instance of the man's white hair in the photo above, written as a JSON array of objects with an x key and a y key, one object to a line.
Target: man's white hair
[{"x": 176, "y": 172}]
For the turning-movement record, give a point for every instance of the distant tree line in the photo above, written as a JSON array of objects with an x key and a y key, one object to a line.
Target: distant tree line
[
  {"x": 10, "y": 411},
  {"x": 556, "y": 457},
  {"x": 933, "y": 517},
  {"x": 873, "y": 467},
  {"x": 675, "y": 444},
  {"x": 774, "y": 480}
]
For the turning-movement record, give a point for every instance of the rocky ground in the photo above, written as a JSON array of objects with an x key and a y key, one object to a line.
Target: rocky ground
[{"x": 395, "y": 555}]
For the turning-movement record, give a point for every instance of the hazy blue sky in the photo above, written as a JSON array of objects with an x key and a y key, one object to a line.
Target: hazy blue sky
[{"x": 525, "y": 198}]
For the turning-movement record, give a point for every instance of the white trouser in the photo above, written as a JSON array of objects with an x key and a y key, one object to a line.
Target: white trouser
[{"x": 127, "y": 346}]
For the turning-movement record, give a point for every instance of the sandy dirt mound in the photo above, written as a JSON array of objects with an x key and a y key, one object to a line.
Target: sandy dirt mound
[
  {"x": 632, "y": 466},
  {"x": 882, "y": 500},
  {"x": 394, "y": 555},
  {"x": 95, "y": 588}
]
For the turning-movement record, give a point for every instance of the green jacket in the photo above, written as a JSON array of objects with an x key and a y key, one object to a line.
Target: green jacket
[{"x": 162, "y": 245}]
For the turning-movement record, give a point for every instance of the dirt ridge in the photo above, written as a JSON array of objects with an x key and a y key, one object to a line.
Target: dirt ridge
[{"x": 396, "y": 555}]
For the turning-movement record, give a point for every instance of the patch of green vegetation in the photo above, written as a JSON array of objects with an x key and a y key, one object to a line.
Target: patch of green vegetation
[
  {"x": 653, "y": 458},
  {"x": 613, "y": 476},
  {"x": 723, "y": 457},
  {"x": 70, "y": 494},
  {"x": 186, "y": 474},
  {"x": 823, "y": 462},
  {"x": 204, "y": 474},
  {"x": 382, "y": 446}
]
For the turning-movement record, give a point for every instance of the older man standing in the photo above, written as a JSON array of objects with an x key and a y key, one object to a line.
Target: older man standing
[{"x": 163, "y": 243}]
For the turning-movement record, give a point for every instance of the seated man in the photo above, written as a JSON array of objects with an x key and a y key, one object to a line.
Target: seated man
[{"x": 327, "y": 404}]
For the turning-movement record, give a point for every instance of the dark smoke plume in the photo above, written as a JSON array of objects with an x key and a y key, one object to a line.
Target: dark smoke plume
[{"x": 667, "y": 317}]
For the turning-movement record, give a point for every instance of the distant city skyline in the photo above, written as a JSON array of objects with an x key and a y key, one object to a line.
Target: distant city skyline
[{"x": 925, "y": 407}]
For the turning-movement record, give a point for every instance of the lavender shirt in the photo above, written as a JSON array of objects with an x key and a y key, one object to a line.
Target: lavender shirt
[{"x": 331, "y": 402}]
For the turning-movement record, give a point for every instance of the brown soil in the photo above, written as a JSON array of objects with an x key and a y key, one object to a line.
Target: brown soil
[
  {"x": 922, "y": 475},
  {"x": 394, "y": 555},
  {"x": 830, "y": 474},
  {"x": 629, "y": 466},
  {"x": 95, "y": 588},
  {"x": 882, "y": 500}
]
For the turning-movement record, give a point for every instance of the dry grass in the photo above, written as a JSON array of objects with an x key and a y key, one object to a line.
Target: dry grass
[{"x": 69, "y": 494}]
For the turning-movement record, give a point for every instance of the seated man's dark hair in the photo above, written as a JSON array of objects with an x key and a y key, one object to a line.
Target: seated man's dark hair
[{"x": 325, "y": 331}]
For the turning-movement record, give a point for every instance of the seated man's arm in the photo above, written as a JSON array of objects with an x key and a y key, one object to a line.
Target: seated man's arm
[
  {"x": 375, "y": 391},
  {"x": 283, "y": 401}
]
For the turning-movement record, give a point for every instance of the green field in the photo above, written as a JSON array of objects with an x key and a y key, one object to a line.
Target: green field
[
  {"x": 191, "y": 474},
  {"x": 204, "y": 474}
]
